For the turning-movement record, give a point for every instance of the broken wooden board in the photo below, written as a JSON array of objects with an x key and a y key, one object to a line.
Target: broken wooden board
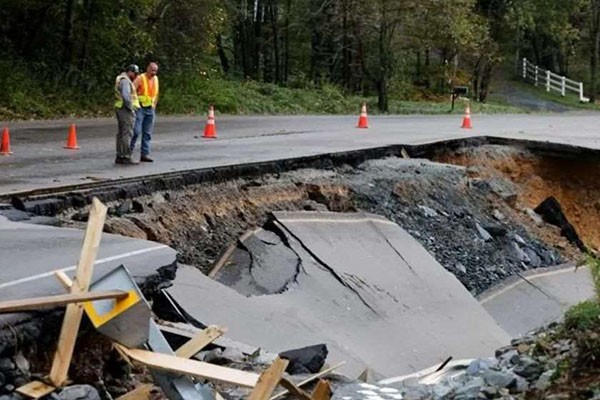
[
  {"x": 200, "y": 341},
  {"x": 310, "y": 379},
  {"x": 83, "y": 277},
  {"x": 35, "y": 390},
  {"x": 269, "y": 380},
  {"x": 322, "y": 391},
  {"x": 58, "y": 300},
  {"x": 295, "y": 390},
  {"x": 143, "y": 392},
  {"x": 194, "y": 368}
]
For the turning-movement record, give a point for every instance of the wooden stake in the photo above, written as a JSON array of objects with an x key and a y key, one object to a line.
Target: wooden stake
[
  {"x": 322, "y": 391},
  {"x": 269, "y": 380},
  {"x": 165, "y": 362},
  {"x": 142, "y": 392},
  {"x": 200, "y": 341},
  {"x": 83, "y": 277},
  {"x": 294, "y": 390},
  {"x": 59, "y": 300},
  {"x": 308, "y": 380}
]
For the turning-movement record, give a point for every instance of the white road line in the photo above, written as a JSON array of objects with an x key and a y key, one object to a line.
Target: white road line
[{"x": 71, "y": 268}]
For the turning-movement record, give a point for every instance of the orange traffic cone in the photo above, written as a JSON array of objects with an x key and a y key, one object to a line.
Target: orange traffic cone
[
  {"x": 467, "y": 118},
  {"x": 362, "y": 120},
  {"x": 72, "y": 138},
  {"x": 5, "y": 143},
  {"x": 210, "y": 130}
]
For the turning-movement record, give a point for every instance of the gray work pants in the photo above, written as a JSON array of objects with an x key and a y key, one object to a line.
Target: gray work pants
[{"x": 125, "y": 121}]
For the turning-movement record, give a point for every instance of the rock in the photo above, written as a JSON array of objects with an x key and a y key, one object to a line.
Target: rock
[
  {"x": 499, "y": 379},
  {"x": 233, "y": 355},
  {"x": 305, "y": 360},
  {"x": 428, "y": 211},
  {"x": 496, "y": 230},
  {"x": 442, "y": 391},
  {"x": 22, "y": 363},
  {"x": 545, "y": 380},
  {"x": 124, "y": 208},
  {"x": 534, "y": 260},
  {"x": 461, "y": 268},
  {"x": 6, "y": 365},
  {"x": 535, "y": 217},
  {"x": 81, "y": 216},
  {"x": 506, "y": 190},
  {"x": 521, "y": 385},
  {"x": 481, "y": 364},
  {"x": 528, "y": 368},
  {"x": 470, "y": 390},
  {"x": 552, "y": 213},
  {"x": 483, "y": 233},
  {"x": 212, "y": 356},
  {"x": 520, "y": 254},
  {"x": 498, "y": 215},
  {"x": 79, "y": 392},
  {"x": 138, "y": 207},
  {"x": 519, "y": 240}
]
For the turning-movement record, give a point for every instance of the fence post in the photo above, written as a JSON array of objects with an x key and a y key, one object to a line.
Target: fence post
[
  {"x": 524, "y": 68},
  {"x": 581, "y": 92},
  {"x": 547, "y": 80},
  {"x": 562, "y": 87},
  {"x": 536, "y": 75}
]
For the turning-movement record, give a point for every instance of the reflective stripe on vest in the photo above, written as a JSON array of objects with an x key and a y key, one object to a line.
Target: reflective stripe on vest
[
  {"x": 134, "y": 97},
  {"x": 146, "y": 93}
]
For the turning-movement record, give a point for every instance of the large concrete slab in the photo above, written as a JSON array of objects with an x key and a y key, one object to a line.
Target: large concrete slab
[
  {"x": 534, "y": 299},
  {"x": 39, "y": 160},
  {"x": 364, "y": 287},
  {"x": 31, "y": 254}
]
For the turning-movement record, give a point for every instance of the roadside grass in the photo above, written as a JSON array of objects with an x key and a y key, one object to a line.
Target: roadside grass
[
  {"x": 570, "y": 100},
  {"x": 26, "y": 98}
]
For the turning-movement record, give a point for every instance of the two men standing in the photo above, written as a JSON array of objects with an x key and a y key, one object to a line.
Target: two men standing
[{"x": 137, "y": 96}]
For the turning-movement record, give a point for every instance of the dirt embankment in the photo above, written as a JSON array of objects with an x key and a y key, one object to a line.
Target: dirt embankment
[
  {"x": 468, "y": 227},
  {"x": 575, "y": 183}
]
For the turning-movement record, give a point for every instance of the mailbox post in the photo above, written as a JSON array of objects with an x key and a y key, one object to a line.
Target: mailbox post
[{"x": 458, "y": 91}]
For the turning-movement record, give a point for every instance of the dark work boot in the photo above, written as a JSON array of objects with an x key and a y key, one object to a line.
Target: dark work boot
[{"x": 146, "y": 159}]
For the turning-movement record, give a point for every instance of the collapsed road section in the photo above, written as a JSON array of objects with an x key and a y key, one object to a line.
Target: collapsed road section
[{"x": 392, "y": 264}]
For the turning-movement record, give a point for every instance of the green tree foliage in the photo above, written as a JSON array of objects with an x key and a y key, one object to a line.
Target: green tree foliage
[{"x": 399, "y": 49}]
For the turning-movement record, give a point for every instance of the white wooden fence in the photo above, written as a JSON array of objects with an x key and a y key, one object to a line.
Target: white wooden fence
[{"x": 539, "y": 76}]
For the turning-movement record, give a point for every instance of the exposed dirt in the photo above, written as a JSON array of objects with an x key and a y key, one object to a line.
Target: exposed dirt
[
  {"x": 575, "y": 183},
  {"x": 468, "y": 223}
]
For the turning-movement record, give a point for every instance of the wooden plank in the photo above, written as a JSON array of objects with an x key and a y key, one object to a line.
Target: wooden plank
[
  {"x": 322, "y": 391},
  {"x": 165, "y": 362},
  {"x": 35, "y": 390},
  {"x": 64, "y": 279},
  {"x": 83, "y": 277},
  {"x": 200, "y": 341},
  {"x": 310, "y": 379},
  {"x": 269, "y": 380},
  {"x": 143, "y": 392},
  {"x": 58, "y": 300},
  {"x": 294, "y": 390}
]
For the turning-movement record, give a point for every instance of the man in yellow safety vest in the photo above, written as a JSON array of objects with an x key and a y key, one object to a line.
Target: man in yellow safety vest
[
  {"x": 147, "y": 89},
  {"x": 126, "y": 106}
]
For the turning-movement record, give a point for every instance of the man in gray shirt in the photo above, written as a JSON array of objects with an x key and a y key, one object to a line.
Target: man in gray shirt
[{"x": 125, "y": 107}]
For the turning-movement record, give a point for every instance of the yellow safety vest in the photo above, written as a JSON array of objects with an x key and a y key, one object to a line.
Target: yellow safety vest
[
  {"x": 148, "y": 93},
  {"x": 134, "y": 97}
]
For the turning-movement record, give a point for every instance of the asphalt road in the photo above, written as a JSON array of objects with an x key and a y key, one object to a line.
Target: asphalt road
[
  {"x": 39, "y": 160},
  {"x": 31, "y": 254},
  {"x": 375, "y": 296}
]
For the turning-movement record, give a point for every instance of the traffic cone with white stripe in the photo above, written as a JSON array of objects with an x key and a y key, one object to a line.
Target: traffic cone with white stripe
[
  {"x": 5, "y": 143},
  {"x": 467, "y": 118},
  {"x": 363, "y": 120},
  {"x": 210, "y": 130}
]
